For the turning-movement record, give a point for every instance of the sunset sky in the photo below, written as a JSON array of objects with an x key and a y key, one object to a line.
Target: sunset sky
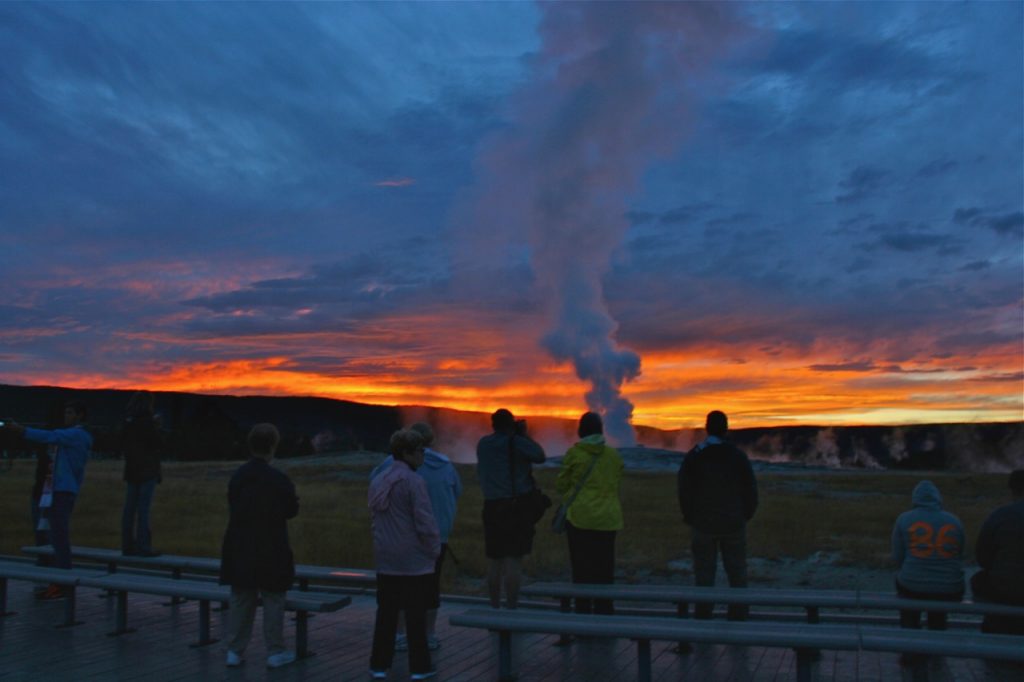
[{"x": 798, "y": 213}]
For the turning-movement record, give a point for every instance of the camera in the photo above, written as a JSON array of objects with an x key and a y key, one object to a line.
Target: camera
[{"x": 521, "y": 427}]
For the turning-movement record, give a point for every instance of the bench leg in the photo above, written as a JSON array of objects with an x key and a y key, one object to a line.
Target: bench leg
[
  {"x": 302, "y": 634},
  {"x": 813, "y": 616},
  {"x": 565, "y": 606},
  {"x": 204, "y": 625},
  {"x": 176, "y": 575},
  {"x": 505, "y": 673},
  {"x": 107, "y": 594},
  {"x": 919, "y": 669},
  {"x": 804, "y": 659},
  {"x": 69, "y": 607},
  {"x": 683, "y": 611},
  {"x": 122, "y": 615},
  {"x": 643, "y": 660},
  {"x": 3, "y": 599}
]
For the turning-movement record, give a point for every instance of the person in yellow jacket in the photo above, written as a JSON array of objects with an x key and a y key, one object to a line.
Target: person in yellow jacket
[{"x": 595, "y": 514}]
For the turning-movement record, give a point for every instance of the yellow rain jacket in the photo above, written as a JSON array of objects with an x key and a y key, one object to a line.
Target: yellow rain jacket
[{"x": 596, "y": 507}]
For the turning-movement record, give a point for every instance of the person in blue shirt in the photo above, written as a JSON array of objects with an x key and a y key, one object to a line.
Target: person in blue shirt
[
  {"x": 73, "y": 444},
  {"x": 444, "y": 488}
]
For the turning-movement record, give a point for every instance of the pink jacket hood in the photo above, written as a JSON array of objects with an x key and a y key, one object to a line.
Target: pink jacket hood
[{"x": 405, "y": 536}]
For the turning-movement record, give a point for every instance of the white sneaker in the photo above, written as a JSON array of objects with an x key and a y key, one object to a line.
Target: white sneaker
[
  {"x": 281, "y": 659},
  {"x": 432, "y": 643},
  {"x": 401, "y": 643},
  {"x": 233, "y": 660},
  {"x": 423, "y": 676},
  {"x": 378, "y": 674}
]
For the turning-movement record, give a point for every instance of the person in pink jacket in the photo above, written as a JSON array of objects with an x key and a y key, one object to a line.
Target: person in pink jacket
[{"x": 406, "y": 544}]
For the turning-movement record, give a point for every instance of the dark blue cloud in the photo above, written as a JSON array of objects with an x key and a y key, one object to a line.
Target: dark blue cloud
[{"x": 213, "y": 171}]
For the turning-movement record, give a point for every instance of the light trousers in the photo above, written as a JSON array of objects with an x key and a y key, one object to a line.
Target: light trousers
[{"x": 243, "y": 612}]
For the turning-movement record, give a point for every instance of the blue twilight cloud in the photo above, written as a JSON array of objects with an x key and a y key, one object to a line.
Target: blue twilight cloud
[{"x": 179, "y": 177}]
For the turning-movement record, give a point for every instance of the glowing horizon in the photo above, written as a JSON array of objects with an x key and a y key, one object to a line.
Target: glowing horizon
[{"x": 799, "y": 213}]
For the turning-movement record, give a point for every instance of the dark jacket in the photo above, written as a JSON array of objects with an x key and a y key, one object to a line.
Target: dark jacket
[
  {"x": 717, "y": 489},
  {"x": 141, "y": 445},
  {"x": 1000, "y": 551},
  {"x": 256, "y": 553}
]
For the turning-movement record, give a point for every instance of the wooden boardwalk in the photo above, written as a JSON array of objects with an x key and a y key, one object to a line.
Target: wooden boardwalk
[{"x": 33, "y": 649}]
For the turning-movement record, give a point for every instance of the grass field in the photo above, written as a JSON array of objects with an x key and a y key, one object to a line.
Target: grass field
[{"x": 846, "y": 514}]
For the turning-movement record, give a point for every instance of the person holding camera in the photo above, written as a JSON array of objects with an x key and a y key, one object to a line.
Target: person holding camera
[
  {"x": 72, "y": 446},
  {"x": 504, "y": 468}
]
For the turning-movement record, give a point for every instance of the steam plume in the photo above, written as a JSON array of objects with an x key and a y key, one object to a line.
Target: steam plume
[{"x": 609, "y": 93}]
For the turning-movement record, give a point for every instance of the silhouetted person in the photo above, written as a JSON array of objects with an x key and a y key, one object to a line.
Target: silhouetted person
[
  {"x": 140, "y": 445},
  {"x": 444, "y": 487},
  {"x": 717, "y": 496},
  {"x": 504, "y": 465},
  {"x": 593, "y": 469},
  {"x": 73, "y": 444},
  {"x": 406, "y": 545},
  {"x": 256, "y": 559},
  {"x": 1000, "y": 554},
  {"x": 928, "y": 547}
]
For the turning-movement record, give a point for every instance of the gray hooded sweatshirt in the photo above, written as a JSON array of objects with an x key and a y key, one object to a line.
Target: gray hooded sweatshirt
[{"x": 928, "y": 545}]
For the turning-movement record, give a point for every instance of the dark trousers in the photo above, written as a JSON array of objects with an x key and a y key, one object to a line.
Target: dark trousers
[
  {"x": 705, "y": 547},
  {"x": 135, "y": 534},
  {"x": 395, "y": 593},
  {"x": 592, "y": 556},
  {"x": 60, "y": 528},
  {"x": 936, "y": 619},
  {"x": 42, "y": 537},
  {"x": 984, "y": 590}
]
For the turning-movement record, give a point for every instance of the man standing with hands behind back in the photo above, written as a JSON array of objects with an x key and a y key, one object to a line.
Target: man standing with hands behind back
[
  {"x": 718, "y": 496},
  {"x": 256, "y": 558}
]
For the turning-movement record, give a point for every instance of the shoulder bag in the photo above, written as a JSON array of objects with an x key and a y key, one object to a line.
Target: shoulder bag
[{"x": 558, "y": 523}]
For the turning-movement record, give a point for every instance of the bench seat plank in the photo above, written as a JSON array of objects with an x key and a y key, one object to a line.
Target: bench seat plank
[
  {"x": 194, "y": 564},
  {"x": 679, "y": 593},
  {"x": 797, "y": 636},
  {"x": 943, "y": 643},
  {"x": 788, "y": 635},
  {"x": 804, "y": 598}
]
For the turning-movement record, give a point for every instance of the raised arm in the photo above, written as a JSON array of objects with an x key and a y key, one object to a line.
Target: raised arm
[{"x": 529, "y": 448}]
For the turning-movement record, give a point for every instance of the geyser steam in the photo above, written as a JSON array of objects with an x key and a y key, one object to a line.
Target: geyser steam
[{"x": 609, "y": 93}]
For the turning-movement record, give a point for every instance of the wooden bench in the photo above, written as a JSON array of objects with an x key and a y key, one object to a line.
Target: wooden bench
[
  {"x": 803, "y": 638},
  {"x": 179, "y": 564},
  {"x": 812, "y": 601},
  {"x": 645, "y": 629},
  {"x": 69, "y": 579},
  {"x": 302, "y": 602}
]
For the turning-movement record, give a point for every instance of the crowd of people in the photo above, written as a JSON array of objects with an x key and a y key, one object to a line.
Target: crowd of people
[{"x": 413, "y": 497}]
